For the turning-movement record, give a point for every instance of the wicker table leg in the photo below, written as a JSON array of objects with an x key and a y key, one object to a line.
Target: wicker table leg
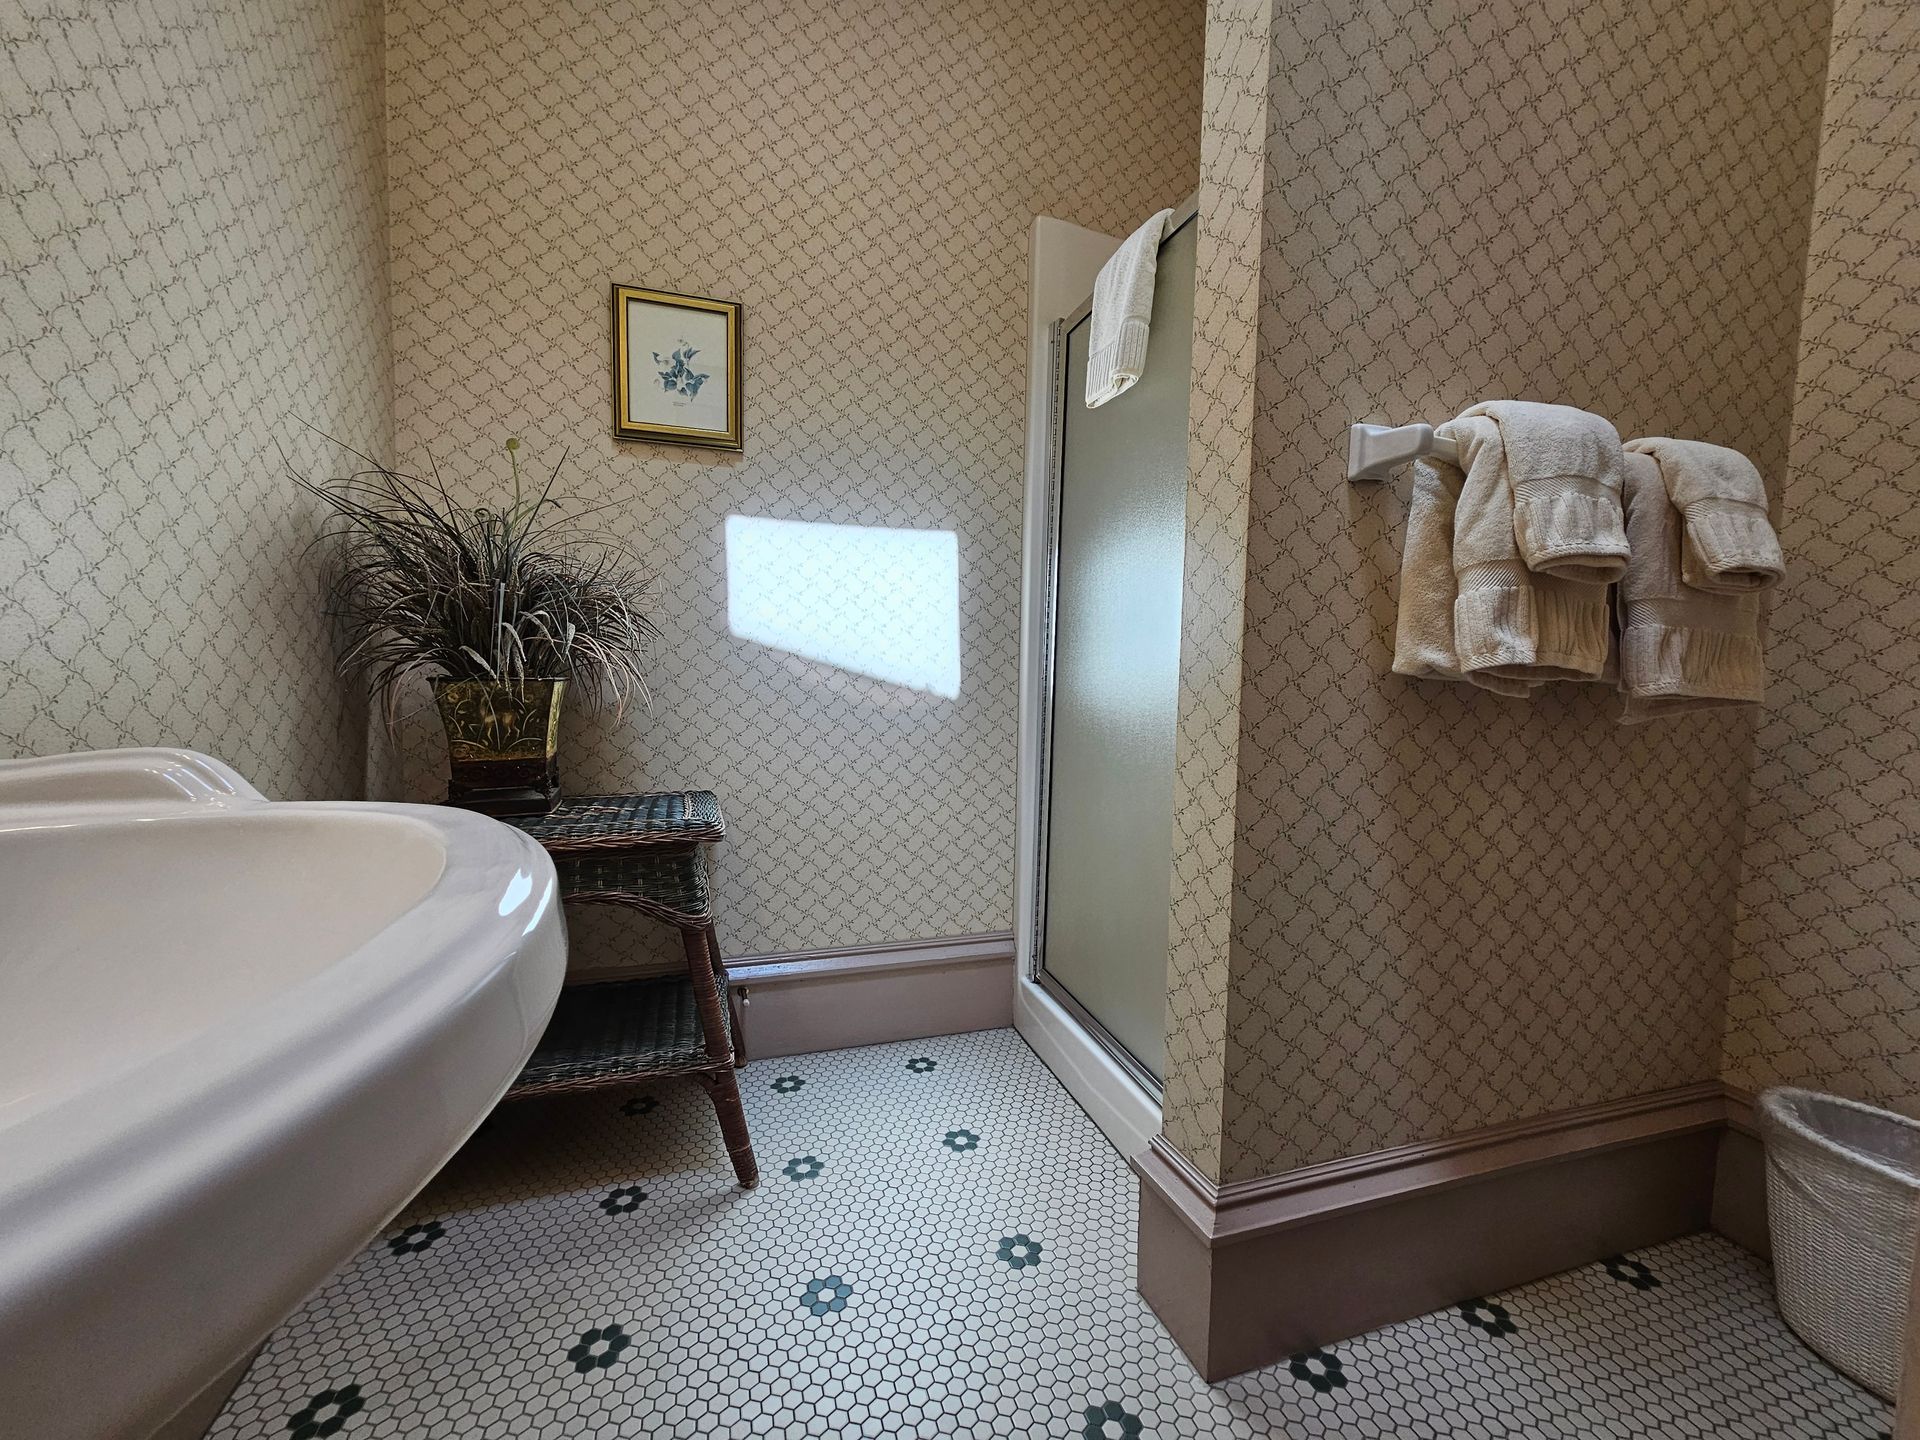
[
  {"x": 725, "y": 1093},
  {"x": 726, "y": 993},
  {"x": 703, "y": 964}
]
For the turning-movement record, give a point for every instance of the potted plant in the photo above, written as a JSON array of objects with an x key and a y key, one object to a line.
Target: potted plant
[{"x": 507, "y": 609}]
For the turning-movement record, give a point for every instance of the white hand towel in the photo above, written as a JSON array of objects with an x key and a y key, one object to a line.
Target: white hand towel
[
  {"x": 1564, "y": 468},
  {"x": 1680, "y": 648},
  {"x": 1511, "y": 622},
  {"x": 1122, "y": 311},
  {"x": 1469, "y": 609},
  {"x": 1729, "y": 546}
]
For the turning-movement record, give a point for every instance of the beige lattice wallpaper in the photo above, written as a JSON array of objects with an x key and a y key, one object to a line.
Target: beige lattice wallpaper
[
  {"x": 1452, "y": 910},
  {"x": 862, "y": 175},
  {"x": 1219, "y": 474},
  {"x": 192, "y": 258},
  {"x": 1826, "y": 991}
]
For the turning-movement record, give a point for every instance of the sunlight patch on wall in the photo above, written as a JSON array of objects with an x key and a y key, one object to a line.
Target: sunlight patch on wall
[{"x": 863, "y": 598}]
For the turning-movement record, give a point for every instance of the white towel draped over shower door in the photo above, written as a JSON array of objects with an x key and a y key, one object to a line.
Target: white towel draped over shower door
[{"x": 1122, "y": 313}]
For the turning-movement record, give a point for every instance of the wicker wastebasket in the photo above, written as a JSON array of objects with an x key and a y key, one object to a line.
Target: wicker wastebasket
[{"x": 1843, "y": 1180}]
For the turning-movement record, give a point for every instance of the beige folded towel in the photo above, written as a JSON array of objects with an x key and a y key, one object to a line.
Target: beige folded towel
[
  {"x": 1509, "y": 621},
  {"x": 1423, "y": 635},
  {"x": 1122, "y": 312},
  {"x": 1729, "y": 545},
  {"x": 1564, "y": 468},
  {"x": 1680, "y": 648},
  {"x": 1469, "y": 607}
]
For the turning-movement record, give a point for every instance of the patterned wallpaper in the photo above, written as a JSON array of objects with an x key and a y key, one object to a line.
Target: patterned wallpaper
[
  {"x": 862, "y": 174},
  {"x": 1826, "y": 991},
  {"x": 1447, "y": 910},
  {"x": 193, "y": 226},
  {"x": 1451, "y": 909},
  {"x": 1219, "y": 471}
]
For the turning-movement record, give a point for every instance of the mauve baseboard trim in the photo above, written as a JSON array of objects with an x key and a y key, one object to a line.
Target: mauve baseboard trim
[
  {"x": 1247, "y": 1273},
  {"x": 786, "y": 965},
  {"x": 1241, "y": 1210},
  {"x": 803, "y": 1002},
  {"x": 765, "y": 969},
  {"x": 1742, "y": 1114}
]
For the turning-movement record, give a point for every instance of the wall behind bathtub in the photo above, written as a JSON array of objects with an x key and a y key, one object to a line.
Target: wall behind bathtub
[
  {"x": 193, "y": 225},
  {"x": 1826, "y": 988},
  {"x": 1451, "y": 910},
  {"x": 862, "y": 176}
]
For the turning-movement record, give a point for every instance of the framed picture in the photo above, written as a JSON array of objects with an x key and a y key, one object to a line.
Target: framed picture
[{"x": 676, "y": 369}]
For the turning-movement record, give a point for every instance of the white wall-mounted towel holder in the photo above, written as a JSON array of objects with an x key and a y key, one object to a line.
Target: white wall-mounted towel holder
[{"x": 1376, "y": 451}]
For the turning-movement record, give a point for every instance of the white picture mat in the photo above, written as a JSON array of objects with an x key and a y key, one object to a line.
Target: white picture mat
[{"x": 660, "y": 330}]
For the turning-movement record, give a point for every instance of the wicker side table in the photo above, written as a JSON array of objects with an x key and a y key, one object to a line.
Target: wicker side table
[{"x": 643, "y": 853}]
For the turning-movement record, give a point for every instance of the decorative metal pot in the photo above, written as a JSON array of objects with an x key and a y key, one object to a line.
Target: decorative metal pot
[{"x": 502, "y": 741}]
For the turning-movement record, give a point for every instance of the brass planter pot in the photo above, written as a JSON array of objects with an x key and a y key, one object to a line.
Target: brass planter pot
[{"x": 502, "y": 744}]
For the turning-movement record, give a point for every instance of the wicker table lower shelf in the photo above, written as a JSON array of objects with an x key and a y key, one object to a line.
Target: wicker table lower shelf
[
  {"x": 620, "y": 1030},
  {"x": 624, "y": 1031}
]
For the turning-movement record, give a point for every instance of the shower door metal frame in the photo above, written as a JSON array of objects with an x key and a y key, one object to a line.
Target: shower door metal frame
[{"x": 1043, "y": 769}]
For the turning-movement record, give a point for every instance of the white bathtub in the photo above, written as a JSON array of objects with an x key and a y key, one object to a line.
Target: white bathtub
[{"x": 236, "y": 1037}]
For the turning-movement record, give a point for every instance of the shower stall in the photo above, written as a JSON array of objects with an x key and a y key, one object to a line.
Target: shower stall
[{"x": 1106, "y": 523}]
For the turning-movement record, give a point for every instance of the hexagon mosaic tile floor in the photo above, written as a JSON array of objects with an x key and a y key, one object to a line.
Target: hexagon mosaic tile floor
[{"x": 942, "y": 1246}]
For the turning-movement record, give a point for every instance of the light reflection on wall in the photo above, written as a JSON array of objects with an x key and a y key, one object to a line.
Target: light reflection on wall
[{"x": 863, "y": 598}]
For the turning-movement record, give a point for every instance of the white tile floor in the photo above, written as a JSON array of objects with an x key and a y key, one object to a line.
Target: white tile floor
[{"x": 942, "y": 1246}]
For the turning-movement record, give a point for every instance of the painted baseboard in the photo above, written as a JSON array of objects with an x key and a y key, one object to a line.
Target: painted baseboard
[
  {"x": 803, "y": 1001},
  {"x": 1740, "y": 1178},
  {"x": 1248, "y": 1273}
]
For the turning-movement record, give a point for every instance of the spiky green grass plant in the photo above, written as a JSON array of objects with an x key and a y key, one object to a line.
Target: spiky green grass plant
[{"x": 420, "y": 584}]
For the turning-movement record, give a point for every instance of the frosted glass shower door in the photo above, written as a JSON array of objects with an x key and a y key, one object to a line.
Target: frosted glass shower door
[{"x": 1119, "y": 536}]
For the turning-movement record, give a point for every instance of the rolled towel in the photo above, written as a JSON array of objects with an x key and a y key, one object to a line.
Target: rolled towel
[
  {"x": 1122, "y": 312},
  {"x": 1511, "y": 622},
  {"x": 1729, "y": 546},
  {"x": 1564, "y": 468},
  {"x": 1680, "y": 648}
]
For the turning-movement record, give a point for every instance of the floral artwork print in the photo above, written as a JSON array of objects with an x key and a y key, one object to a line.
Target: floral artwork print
[
  {"x": 678, "y": 377},
  {"x": 676, "y": 371}
]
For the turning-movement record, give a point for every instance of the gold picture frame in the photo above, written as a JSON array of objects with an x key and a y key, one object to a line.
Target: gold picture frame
[{"x": 676, "y": 369}]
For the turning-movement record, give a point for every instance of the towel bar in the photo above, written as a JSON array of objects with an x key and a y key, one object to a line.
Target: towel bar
[{"x": 1375, "y": 451}]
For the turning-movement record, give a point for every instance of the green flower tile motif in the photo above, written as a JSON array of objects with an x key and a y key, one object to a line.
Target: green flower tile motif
[
  {"x": 1488, "y": 1315},
  {"x": 921, "y": 1064},
  {"x": 324, "y": 1413},
  {"x": 1636, "y": 1273},
  {"x": 1110, "y": 1421},
  {"x": 961, "y": 1141},
  {"x": 599, "y": 1348},
  {"x": 786, "y": 1084},
  {"x": 1019, "y": 1251},
  {"x": 416, "y": 1238},
  {"x": 804, "y": 1167},
  {"x": 1320, "y": 1369},
  {"x": 639, "y": 1105},
  {"x": 827, "y": 1295},
  {"x": 623, "y": 1201}
]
